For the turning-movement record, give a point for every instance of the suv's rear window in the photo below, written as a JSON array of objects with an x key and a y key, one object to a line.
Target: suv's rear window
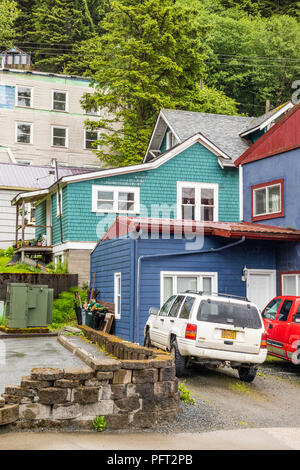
[{"x": 244, "y": 316}]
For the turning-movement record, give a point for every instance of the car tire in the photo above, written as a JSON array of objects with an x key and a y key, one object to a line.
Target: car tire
[
  {"x": 147, "y": 340},
  {"x": 180, "y": 361},
  {"x": 247, "y": 374}
]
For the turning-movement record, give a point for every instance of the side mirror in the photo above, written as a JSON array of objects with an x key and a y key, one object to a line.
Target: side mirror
[{"x": 153, "y": 311}]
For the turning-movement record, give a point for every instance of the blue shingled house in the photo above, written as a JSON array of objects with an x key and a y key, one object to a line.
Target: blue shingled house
[
  {"x": 141, "y": 262},
  {"x": 188, "y": 173}
]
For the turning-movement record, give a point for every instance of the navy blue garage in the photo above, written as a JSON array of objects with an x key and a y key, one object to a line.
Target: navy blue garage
[{"x": 140, "y": 262}]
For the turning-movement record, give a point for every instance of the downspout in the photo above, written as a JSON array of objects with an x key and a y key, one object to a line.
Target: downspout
[{"x": 164, "y": 255}]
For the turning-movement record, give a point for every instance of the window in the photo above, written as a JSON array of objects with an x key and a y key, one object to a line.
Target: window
[
  {"x": 177, "y": 282},
  {"x": 30, "y": 213},
  {"x": 59, "y": 136},
  {"x": 187, "y": 308},
  {"x": 24, "y": 97},
  {"x": 93, "y": 112},
  {"x": 267, "y": 200},
  {"x": 171, "y": 140},
  {"x": 59, "y": 100},
  {"x": 24, "y": 133},
  {"x": 90, "y": 139},
  {"x": 290, "y": 283},
  {"x": 197, "y": 201},
  {"x": 271, "y": 309},
  {"x": 176, "y": 306},
  {"x": 117, "y": 295},
  {"x": 285, "y": 310},
  {"x": 166, "y": 307},
  {"x": 117, "y": 199},
  {"x": 216, "y": 311}
]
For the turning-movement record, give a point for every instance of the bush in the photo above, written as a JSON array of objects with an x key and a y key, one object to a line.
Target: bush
[{"x": 63, "y": 306}]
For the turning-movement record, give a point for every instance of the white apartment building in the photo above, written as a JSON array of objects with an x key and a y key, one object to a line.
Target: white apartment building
[{"x": 42, "y": 120}]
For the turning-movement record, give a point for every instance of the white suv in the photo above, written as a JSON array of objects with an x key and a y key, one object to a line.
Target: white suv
[{"x": 209, "y": 329}]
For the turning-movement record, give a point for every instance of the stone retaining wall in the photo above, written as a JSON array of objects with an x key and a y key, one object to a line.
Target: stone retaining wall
[{"x": 138, "y": 391}]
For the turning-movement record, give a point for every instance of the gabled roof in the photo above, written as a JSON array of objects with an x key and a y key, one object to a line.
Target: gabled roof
[
  {"x": 262, "y": 121},
  {"x": 91, "y": 175},
  {"x": 282, "y": 137},
  {"x": 222, "y": 130},
  {"x": 125, "y": 225},
  {"x": 19, "y": 177}
]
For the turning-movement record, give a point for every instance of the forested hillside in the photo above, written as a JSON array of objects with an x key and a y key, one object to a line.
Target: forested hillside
[{"x": 221, "y": 56}]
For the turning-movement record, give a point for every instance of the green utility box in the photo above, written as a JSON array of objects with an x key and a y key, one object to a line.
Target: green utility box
[{"x": 28, "y": 305}]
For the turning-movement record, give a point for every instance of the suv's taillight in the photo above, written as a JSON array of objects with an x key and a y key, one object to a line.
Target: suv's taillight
[
  {"x": 263, "y": 343},
  {"x": 191, "y": 331}
]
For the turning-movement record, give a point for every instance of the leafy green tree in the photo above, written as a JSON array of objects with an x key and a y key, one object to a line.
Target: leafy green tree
[
  {"x": 150, "y": 57},
  {"x": 252, "y": 59},
  {"x": 265, "y": 7},
  {"x": 8, "y": 15}
]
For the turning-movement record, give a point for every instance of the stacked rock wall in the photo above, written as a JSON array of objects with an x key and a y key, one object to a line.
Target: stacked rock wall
[{"x": 130, "y": 393}]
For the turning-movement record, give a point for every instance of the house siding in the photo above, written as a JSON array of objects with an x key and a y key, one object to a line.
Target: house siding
[
  {"x": 157, "y": 187},
  {"x": 283, "y": 166},
  {"x": 40, "y": 218},
  {"x": 108, "y": 258},
  {"x": 116, "y": 256}
]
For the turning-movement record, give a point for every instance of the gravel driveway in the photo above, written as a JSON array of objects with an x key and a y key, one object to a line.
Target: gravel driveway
[{"x": 224, "y": 402}]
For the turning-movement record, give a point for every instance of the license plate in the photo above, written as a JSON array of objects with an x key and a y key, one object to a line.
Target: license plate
[{"x": 228, "y": 334}]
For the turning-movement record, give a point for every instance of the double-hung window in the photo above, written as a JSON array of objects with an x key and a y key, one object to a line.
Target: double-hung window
[
  {"x": 177, "y": 282},
  {"x": 59, "y": 100},
  {"x": 24, "y": 132},
  {"x": 24, "y": 96},
  {"x": 197, "y": 201},
  {"x": 267, "y": 200},
  {"x": 90, "y": 138},
  {"x": 117, "y": 199},
  {"x": 59, "y": 136},
  {"x": 290, "y": 283}
]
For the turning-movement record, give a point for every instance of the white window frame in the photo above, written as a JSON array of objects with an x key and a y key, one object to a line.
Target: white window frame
[
  {"x": 198, "y": 187},
  {"x": 31, "y": 96},
  {"x": 59, "y": 208},
  {"x": 66, "y": 138},
  {"x": 28, "y": 213},
  {"x": 31, "y": 132},
  {"x": 84, "y": 137},
  {"x": 117, "y": 283},
  {"x": 116, "y": 190},
  {"x": 171, "y": 140},
  {"x": 267, "y": 188},
  {"x": 67, "y": 101},
  {"x": 297, "y": 276},
  {"x": 175, "y": 274}
]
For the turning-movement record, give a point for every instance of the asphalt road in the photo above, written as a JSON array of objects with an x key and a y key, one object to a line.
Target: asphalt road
[{"x": 19, "y": 355}]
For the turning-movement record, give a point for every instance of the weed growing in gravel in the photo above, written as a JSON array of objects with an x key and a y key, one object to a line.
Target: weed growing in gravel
[{"x": 185, "y": 395}]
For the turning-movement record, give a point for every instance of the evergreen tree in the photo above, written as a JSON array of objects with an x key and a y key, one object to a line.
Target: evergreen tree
[
  {"x": 8, "y": 15},
  {"x": 150, "y": 57},
  {"x": 58, "y": 25},
  {"x": 265, "y": 7}
]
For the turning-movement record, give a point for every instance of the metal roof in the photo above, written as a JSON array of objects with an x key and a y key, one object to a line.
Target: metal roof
[
  {"x": 18, "y": 176},
  {"x": 125, "y": 225}
]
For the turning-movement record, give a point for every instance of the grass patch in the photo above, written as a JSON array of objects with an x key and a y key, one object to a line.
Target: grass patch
[
  {"x": 272, "y": 359},
  {"x": 18, "y": 268},
  {"x": 240, "y": 387}
]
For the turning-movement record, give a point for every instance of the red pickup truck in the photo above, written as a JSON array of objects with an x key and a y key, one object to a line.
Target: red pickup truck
[{"x": 282, "y": 324}]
